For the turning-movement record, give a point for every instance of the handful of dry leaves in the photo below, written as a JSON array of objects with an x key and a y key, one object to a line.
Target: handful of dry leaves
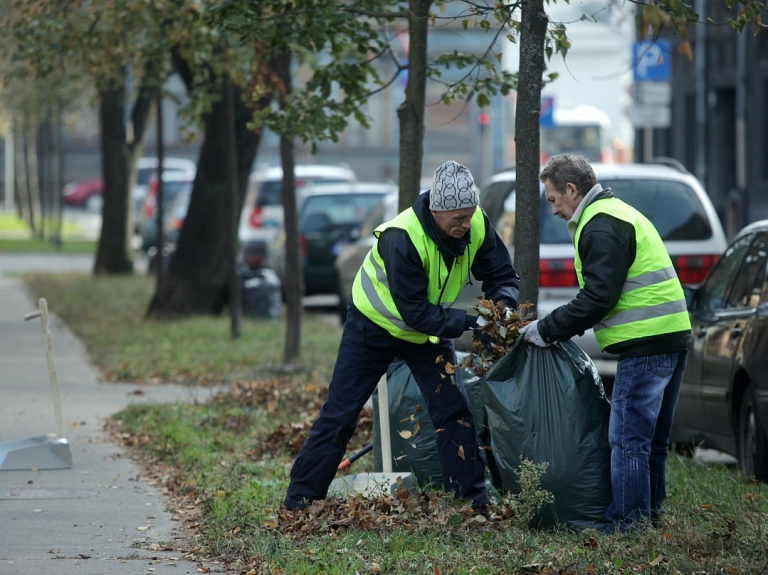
[{"x": 493, "y": 340}]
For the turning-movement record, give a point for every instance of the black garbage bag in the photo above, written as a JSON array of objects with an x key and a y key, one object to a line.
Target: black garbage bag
[
  {"x": 548, "y": 405},
  {"x": 416, "y": 451},
  {"x": 260, "y": 293}
]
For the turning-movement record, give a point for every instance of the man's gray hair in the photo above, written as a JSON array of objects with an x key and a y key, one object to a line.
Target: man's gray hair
[{"x": 569, "y": 169}]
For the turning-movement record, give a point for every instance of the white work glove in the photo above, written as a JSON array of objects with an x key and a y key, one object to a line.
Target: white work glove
[
  {"x": 480, "y": 322},
  {"x": 507, "y": 313},
  {"x": 531, "y": 334}
]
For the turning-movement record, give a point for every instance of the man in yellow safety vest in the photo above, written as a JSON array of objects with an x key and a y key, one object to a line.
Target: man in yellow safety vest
[
  {"x": 630, "y": 294},
  {"x": 401, "y": 306}
]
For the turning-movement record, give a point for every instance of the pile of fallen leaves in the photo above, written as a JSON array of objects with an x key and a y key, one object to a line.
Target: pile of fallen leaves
[
  {"x": 494, "y": 339},
  {"x": 403, "y": 509},
  {"x": 276, "y": 394},
  {"x": 291, "y": 437}
]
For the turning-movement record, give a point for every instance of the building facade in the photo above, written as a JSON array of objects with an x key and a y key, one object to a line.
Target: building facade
[{"x": 719, "y": 122}]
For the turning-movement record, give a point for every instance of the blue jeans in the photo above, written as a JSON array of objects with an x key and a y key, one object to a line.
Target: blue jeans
[{"x": 642, "y": 408}]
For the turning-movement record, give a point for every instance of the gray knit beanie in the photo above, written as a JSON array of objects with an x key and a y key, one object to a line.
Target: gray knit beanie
[{"x": 453, "y": 188}]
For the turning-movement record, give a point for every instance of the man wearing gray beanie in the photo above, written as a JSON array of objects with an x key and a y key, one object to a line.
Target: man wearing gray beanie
[{"x": 400, "y": 306}]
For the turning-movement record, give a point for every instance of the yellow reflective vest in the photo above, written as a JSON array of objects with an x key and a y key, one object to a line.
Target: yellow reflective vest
[
  {"x": 370, "y": 290},
  {"x": 652, "y": 300}
]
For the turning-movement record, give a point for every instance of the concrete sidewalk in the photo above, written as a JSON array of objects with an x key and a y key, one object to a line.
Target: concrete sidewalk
[{"x": 99, "y": 517}]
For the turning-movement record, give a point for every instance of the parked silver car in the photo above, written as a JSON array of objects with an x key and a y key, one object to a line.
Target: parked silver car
[
  {"x": 330, "y": 217},
  {"x": 146, "y": 169}
]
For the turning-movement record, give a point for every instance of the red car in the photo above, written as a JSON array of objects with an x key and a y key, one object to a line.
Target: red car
[{"x": 86, "y": 193}]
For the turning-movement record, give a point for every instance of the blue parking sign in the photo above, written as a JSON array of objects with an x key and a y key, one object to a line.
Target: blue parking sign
[
  {"x": 652, "y": 60},
  {"x": 547, "y": 113}
]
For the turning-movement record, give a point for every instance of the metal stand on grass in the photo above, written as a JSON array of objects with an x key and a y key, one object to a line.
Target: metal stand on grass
[
  {"x": 373, "y": 484},
  {"x": 49, "y": 451}
]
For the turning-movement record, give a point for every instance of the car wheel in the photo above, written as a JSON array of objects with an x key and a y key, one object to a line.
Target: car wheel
[
  {"x": 752, "y": 442},
  {"x": 94, "y": 203}
]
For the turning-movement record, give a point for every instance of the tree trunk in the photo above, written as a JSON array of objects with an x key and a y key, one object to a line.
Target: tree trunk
[
  {"x": 233, "y": 210},
  {"x": 43, "y": 152},
  {"x": 56, "y": 170},
  {"x": 113, "y": 255},
  {"x": 294, "y": 274},
  {"x": 22, "y": 187},
  {"x": 160, "y": 197},
  {"x": 196, "y": 281},
  {"x": 140, "y": 116},
  {"x": 33, "y": 181},
  {"x": 411, "y": 112},
  {"x": 527, "y": 140}
]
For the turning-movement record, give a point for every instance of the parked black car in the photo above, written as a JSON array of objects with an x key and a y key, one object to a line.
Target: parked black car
[
  {"x": 724, "y": 397},
  {"x": 330, "y": 218}
]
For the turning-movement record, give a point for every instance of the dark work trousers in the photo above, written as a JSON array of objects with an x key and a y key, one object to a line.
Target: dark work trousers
[{"x": 365, "y": 352}]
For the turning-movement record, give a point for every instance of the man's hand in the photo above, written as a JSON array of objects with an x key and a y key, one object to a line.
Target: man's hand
[{"x": 531, "y": 334}]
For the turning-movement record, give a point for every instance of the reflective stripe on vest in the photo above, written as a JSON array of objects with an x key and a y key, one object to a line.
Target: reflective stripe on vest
[
  {"x": 652, "y": 300},
  {"x": 370, "y": 290}
]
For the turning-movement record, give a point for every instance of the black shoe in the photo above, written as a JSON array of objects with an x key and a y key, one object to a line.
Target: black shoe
[{"x": 657, "y": 519}]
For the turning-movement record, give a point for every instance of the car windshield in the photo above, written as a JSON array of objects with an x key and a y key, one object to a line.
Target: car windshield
[
  {"x": 271, "y": 191},
  {"x": 338, "y": 209},
  {"x": 672, "y": 207}
]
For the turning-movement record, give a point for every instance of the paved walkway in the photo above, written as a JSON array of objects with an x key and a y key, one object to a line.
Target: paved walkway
[{"x": 98, "y": 517}]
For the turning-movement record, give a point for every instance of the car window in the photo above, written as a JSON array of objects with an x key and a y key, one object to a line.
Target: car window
[
  {"x": 385, "y": 210},
  {"x": 673, "y": 207},
  {"x": 748, "y": 281},
  {"x": 712, "y": 294},
  {"x": 552, "y": 230},
  {"x": 271, "y": 191},
  {"x": 145, "y": 174},
  {"x": 493, "y": 197},
  {"x": 337, "y": 210}
]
